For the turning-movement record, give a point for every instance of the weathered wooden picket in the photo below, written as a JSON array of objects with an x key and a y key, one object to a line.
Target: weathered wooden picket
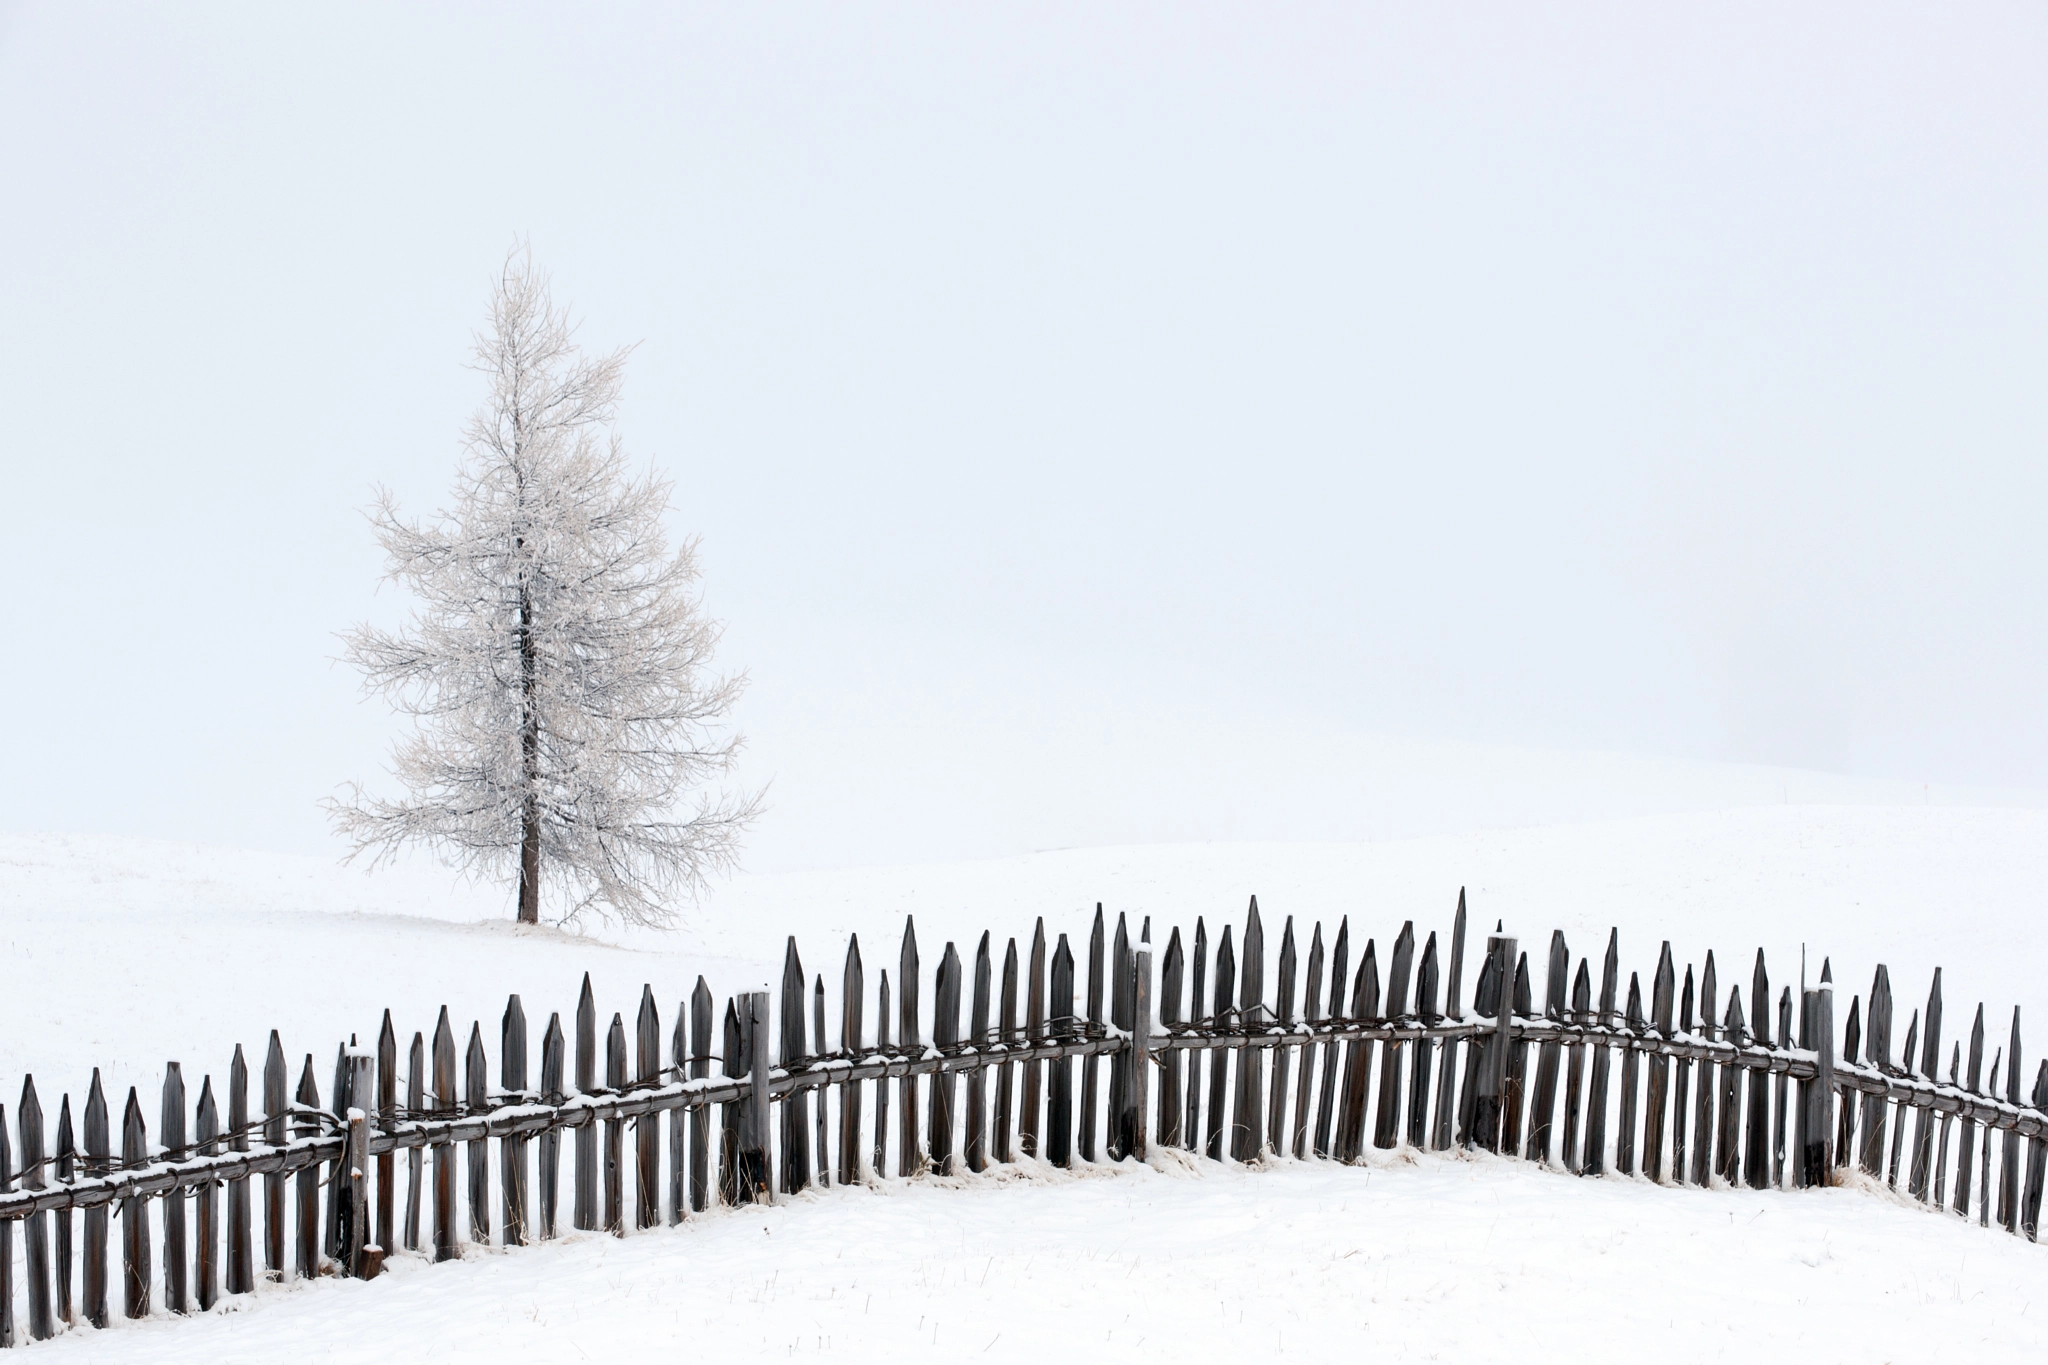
[{"x": 1708, "y": 1093}]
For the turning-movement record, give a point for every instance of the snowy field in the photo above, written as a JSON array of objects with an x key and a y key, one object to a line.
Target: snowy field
[
  {"x": 122, "y": 954},
  {"x": 1433, "y": 1259}
]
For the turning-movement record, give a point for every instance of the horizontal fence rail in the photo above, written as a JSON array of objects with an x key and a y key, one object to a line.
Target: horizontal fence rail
[{"x": 1676, "y": 1088}]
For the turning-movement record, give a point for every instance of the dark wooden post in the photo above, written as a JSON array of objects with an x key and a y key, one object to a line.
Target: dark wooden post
[
  {"x": 1631, "y": 1082},
  {"x": 1059, "y": 1144},
  {"x": 1595, "y": 1158},
  {"x": 852, "y": 1001},
  {"x": 1247, "y": 1129},
  {"x": 703, "y": 1018},
  {"x": 387, "y": 1121},
  {"x": 975, "y": 1134},
  {"x": 796, "y": 1125},
  {"x": 358, "y": 1258},
  {"x": 909, "y": 1156},
  {"x": 1785, "y": 1037},
  {"x": 7, "y": 1337},
  {"x": 1006, "y": 1070},
  {"x": 1728, "y": 1145},
  {"x": 1426, "y": 1011},
  {"x": 1198, "y": 1017},
  {"x": 548, "y": 1151},
  {"x": 1514, "y": 1094},
  {"x": 1816, "y": 1094},
  {"x": 1034, "y": 1025},
  {"x": 1681, "y": 1103},
  {"x": 1441, "y": 1130},
  {"x": 1930, "y": 1067},
  {"x": 1663, "y": 987},
  {"x": 1141, "y": 1046},
  {"x": 882, "y": 1017},
  {"x": 275, "y": 1109},
  {"x": 679, "y": 1120},
  {"x": 476, "y": 1094},
  {"x": 1878, "y": 1048},
  {"x": 1089, "y": 1063},
  {"x": 307, "y": 1261},
  {"x": 1312, "y": 1013},
  {"x": 1326, "y": 1099},
  {"x": 67, "y": 1172},
  {"x": 135, "y": 1276},
  {"x": 1277, "y": 1135},
  {"x": 2037, "y": 1163},
  {"x": 584, "y": 1214},
  {"x": 1504, "y": 949},
  {"x": 647, "y": 1130},
  {"x": 1387, "y": 1120},
  {"x": 1223, "y": 1020},
  {"x": 1966, "y": 1138},
  {"x": 2009, "y": 1172},
  {"x": 820, "y": 1048},
  {"x": 1556, "y": 976},
  {"x": 512, "y": 1075},
  {"x": 208, "y": 1144},
  {"x": 615, "y": 1130},
  {"x": 756, "y": 1182},
  {"x": 416, "y": 1105},
  {"x": 29, "y": 1119},
  {"x": 732, "y": 1062},
  {"x": 1703, "y": 1168},
  {"x": 1573, "y": 1155},
  {"x": 445, "y": 1248},
  {"x": 945, "y": 1036},
  {"x": 98, "y": 1161}
]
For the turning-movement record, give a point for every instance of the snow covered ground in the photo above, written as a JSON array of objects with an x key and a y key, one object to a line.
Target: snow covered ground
[
  {"x": 1419, "y": 1259},
  {"x": 122, "y": 954}
]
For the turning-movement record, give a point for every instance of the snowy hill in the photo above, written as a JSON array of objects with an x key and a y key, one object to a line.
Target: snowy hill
[{"x": 126, "y": 953}]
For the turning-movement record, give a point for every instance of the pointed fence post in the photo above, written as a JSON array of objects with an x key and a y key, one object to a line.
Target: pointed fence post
[
  {"x": 512, "y": 1075},
  {"x": 445, "y": 1106},
  {"x": 29, "y": 1117},
  {"x": 67, "y": 1172},
  {"x": 615, "y": 1130},
  {"x": 206, "y": 1142},
  {"x": 703, "y": 1018},
  {"x": 1141, "y": 1048},
  {"x": 585, "y": 1213},
  {"x": 548, "y": 1150},
  {"x": 135, "y": 1276},
  {"x": 387, "y": 1122},
  {"x": 647, "y": 1131},
  {"x": 755, "y": 1180},
  {"x": 98, "y": 1161}
]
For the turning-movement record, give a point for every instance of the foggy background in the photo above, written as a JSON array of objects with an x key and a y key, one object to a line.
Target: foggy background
[{"x": 1104, "y": 423}]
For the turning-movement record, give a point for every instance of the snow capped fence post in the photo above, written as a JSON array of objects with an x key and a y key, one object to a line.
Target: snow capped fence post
[
  {"x": 1817, "y": 1095},
  {"x": 1141, "y": 1045},
  {"x": 361, "y": 1255}
]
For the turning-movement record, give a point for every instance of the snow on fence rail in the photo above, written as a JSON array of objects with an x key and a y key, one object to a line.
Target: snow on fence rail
[{"x": 1779, "y": 1099}]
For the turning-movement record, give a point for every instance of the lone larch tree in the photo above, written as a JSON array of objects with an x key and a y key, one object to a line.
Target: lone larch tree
[{"x": 566, "y": 720}]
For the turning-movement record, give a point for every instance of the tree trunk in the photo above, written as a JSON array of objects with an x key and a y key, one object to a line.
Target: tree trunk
[{"x": 529, "y": 753}]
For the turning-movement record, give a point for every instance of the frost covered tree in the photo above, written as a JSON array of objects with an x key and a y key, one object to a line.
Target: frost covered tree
[{"x": 565, "y": 719}]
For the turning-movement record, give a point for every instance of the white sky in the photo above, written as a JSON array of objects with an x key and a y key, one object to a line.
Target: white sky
[{"x": 1104, "y": 422}]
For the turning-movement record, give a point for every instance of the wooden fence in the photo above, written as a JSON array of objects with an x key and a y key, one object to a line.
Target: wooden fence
[{"x": 1680, "y": 1085}]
